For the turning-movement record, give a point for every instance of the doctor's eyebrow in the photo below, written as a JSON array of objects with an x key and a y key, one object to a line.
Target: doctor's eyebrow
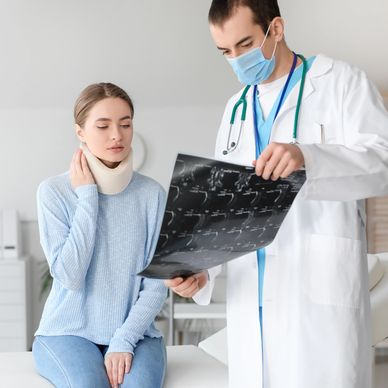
[{"x": 240, "y": 42}]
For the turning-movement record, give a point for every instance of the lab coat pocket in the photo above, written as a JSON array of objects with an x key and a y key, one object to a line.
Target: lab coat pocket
[{"x": 332, "y": 270}]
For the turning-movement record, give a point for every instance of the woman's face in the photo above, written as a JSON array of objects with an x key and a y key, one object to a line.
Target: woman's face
[{"x": 108, "y": 131}]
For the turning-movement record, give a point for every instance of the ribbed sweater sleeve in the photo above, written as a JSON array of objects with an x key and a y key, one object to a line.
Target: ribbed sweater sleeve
[
  {"x": 151, "y": 297},
  {"x": 67, "y": 244}
]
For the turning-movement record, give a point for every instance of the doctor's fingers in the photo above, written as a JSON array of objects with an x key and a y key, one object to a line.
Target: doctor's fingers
[
  {"x": 191, "y": 291},
  {"x": 188, "y": 288},
  {"x": 278, "y": 155},
  {"x": 171, "y": 283},
  {"x": 273, "y": 150},
  {"x": 262, "y": 161},
  {"x": 203, "y": 278},
  {"x": 281, "y": 166},
  {"x": 291, "y": 167}
]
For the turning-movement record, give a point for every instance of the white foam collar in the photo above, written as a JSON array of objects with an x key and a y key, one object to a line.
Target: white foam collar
[{"x": 110, "y": 180}]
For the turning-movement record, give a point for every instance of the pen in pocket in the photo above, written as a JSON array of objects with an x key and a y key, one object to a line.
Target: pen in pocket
[{"x": 323, "y": 139}]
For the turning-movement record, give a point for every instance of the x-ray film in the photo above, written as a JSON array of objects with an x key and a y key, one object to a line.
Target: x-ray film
[{"x": 216, "y": 212}]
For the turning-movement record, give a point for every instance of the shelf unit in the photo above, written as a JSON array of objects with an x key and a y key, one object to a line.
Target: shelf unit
[
  {"x": 192, "y": 311},
  {"x": 15, "y": 305}
]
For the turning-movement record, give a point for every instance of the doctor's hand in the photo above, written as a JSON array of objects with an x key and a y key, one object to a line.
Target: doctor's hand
[
  {"x": 80, "y": 173},
  {"x": 116, "y": 365},
  {"x": 279, "y": 160},
  {"x": 188, "y": 287}
]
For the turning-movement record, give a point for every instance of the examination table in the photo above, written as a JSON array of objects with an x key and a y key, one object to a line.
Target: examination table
[{"x": 206, "y": 365}]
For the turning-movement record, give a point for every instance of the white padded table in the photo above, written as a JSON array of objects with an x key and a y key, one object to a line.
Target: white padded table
[
  {"x": 188, "y": 367},
  {"x": 17, "y": 370}
]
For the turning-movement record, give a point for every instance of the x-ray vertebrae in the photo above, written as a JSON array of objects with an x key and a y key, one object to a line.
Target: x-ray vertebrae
[{"x": 216, "y": 212}]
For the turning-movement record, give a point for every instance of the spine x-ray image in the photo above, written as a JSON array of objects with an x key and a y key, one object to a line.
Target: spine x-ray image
[{"x": 216, "y": 212}]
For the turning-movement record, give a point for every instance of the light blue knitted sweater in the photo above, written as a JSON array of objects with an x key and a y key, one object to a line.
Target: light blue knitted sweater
[{"x": 95, "y": 244}]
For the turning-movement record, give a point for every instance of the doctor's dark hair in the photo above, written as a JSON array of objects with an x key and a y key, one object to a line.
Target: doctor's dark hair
[
  {"x": 264, "y": 11},
  {"x": 94, "y": 93}
]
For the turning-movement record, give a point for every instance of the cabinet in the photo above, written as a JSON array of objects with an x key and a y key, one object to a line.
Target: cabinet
[{"x": 15, "y": 305}]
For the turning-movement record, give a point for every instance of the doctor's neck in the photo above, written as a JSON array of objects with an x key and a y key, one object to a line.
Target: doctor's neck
[{"x": 284, "y": 58}]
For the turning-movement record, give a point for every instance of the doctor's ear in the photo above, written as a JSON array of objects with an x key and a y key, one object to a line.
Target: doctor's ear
[
  {"x": 80, "y": 133},
  {"x": 277, "y": 29}
]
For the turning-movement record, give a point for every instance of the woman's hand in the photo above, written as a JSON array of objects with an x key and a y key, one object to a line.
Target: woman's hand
[
  {"x": 188, "y": 287},
  {"x": 279, "y": 160},
  {"x": 80, "y": 173},
  {"x": 116, "y": 364}
]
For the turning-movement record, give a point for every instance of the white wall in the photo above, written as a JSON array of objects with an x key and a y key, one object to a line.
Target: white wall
[
  {"x": 159, "y": 51},
  {"x": 352, "y": 30},
  {"x": 162, "y": 54}
]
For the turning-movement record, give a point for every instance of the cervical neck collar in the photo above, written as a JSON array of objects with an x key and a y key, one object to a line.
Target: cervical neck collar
[{"x": 109, "y": 180}]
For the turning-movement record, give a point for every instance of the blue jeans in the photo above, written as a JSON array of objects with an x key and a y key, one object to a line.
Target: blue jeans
[{"x": 74, "y": 362}]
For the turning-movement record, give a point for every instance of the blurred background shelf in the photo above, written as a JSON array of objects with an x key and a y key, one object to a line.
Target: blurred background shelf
[{"x": 15, "y": 305}]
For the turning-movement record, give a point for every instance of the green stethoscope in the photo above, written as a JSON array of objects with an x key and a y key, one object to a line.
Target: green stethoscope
[{"x": 231, "y": 146}]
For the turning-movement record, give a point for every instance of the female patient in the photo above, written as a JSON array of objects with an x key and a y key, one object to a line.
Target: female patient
[{"x": 98, "y": 225}]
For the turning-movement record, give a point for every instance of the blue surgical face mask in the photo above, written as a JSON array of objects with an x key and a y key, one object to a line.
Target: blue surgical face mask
[{"x": 252, "y": 67}]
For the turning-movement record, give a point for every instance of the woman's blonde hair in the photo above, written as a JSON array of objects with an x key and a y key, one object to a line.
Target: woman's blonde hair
[{"x": 95, "y": 93}]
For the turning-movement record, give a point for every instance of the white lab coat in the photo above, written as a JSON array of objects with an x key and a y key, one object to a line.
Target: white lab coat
[{"x": 315, "y": 298}]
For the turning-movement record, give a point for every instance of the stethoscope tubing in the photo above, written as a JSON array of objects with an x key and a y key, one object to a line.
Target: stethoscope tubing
[{"x": 231, "y": 146}]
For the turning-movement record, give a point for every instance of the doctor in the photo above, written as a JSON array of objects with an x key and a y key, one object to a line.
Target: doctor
[{"x": 298, "y": 313}]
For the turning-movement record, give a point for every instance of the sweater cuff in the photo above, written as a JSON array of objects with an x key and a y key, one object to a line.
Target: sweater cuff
[
  {"x": 118, "y": 345},
  {"x": 86, "y": 191}
]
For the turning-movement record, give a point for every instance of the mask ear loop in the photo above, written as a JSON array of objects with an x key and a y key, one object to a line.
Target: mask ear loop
[
  {"x": 273, "y": 53},
  {"x": 266, "y": 35},
  {"x": 265, "y": 38}
]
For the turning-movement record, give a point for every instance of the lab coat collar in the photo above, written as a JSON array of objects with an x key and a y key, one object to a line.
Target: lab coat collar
[{"x": 321, "y": 66}]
